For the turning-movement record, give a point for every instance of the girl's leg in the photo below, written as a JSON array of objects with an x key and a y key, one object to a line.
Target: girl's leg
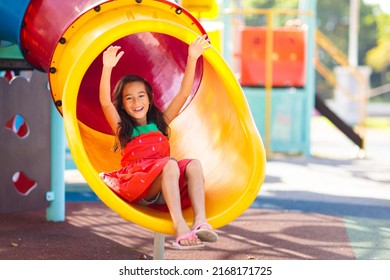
[
  {"x": 170, "y": 189},
  {"x": 195, "y": 181}
]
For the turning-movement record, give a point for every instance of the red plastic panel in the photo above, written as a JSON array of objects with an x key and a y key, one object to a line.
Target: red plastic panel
[
  {"x": 288, "y": 68},
  {"x": 44, "y": 23}
]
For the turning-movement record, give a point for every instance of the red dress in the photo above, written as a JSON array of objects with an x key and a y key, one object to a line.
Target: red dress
[{"x": 143, "y": 159}]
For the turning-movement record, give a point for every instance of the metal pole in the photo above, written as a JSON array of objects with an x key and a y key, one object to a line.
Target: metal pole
[
  {"x": 353, "y": 32},
  {"x": 353, "y": 48},
  {"x": 56, "y": 211},
  {"x": 310, "y": 19},
  {"x": 158, "y": 246},
  {"x": 268, "y": 82}
]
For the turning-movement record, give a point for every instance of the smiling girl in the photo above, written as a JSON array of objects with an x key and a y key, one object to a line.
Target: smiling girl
[{"x": 149, "y": 176}]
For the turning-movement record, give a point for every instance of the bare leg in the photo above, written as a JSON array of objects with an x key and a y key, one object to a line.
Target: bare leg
[
  {"x": 154, "y": 189},
  {"x": 170, "y": 188},
  {"x": 195, "y": 179}
]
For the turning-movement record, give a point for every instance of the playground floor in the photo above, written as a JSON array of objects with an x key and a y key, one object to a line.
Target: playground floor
[{"x": 332, "y": 206}]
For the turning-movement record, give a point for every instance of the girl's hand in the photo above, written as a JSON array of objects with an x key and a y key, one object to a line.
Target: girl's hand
[
  {"x": 111, "y": 56},
  {"x": 197, "y": 47}
]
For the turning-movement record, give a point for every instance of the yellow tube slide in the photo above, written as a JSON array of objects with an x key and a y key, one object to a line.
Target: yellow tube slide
[{"x": 216, "y": 126}]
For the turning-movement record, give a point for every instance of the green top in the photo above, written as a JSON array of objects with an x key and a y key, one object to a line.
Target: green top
[{"x": 143, "y": 129}]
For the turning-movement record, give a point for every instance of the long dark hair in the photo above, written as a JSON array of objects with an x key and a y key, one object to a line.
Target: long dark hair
[{"x": 127, "y": 124}]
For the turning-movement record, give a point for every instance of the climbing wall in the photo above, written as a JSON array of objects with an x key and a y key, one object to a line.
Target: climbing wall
[{"x": 24, "y": 142}]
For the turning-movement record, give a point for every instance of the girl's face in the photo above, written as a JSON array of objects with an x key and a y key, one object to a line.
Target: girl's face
[{"x": 136, "y": 102}]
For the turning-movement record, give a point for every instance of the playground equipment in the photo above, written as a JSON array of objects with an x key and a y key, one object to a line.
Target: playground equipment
[
  {"x": 278, "y": 81},
  {"x": 351, "y": 94},
  {"x": 215, "y": 126},
  {"x": 288, "y": 67},
  {"x": 25, "y": 165},
  {"x": 276, "y": 66}
]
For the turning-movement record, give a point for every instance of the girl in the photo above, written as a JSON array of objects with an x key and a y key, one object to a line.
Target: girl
[{"x": 149, "y": 176}]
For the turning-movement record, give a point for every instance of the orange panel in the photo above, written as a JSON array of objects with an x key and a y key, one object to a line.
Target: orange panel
[{"x": 288, "y": 68}]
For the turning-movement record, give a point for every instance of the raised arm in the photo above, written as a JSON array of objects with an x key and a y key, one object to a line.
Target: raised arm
[
  {"x": 110, "y": 59},
  {"x": 195, "y": 50}
]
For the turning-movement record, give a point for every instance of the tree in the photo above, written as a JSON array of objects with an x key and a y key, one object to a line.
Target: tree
[{"x": 378, "y": 57}]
